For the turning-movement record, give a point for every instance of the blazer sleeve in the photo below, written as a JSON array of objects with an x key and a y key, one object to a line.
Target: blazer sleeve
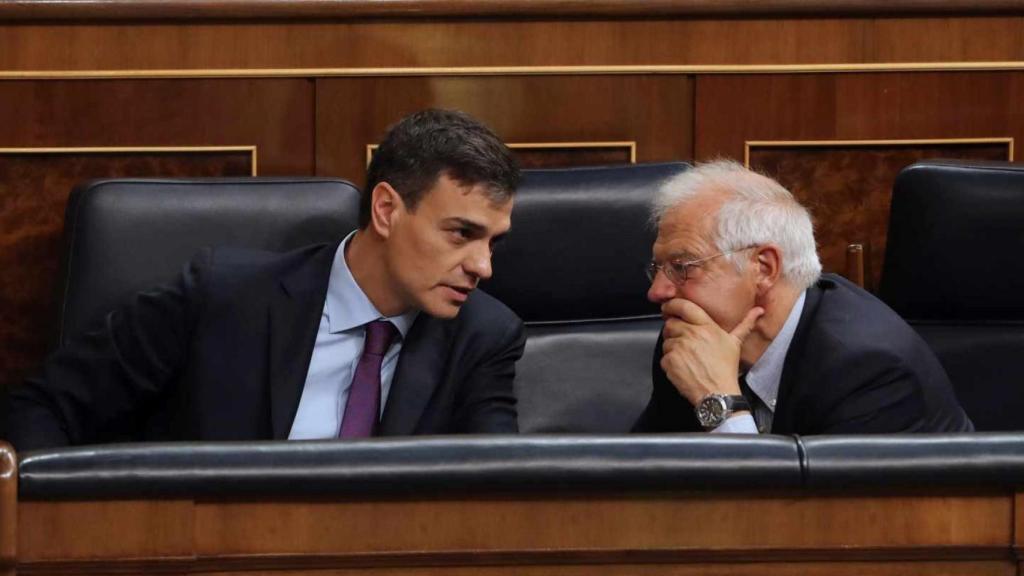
[
  {"x": 488, "y": 401},
  {"x": 885, "y": 393},
  {"x": 99, "y": 386}
]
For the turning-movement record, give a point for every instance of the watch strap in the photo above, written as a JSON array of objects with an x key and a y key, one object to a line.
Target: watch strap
[{"x": 739, "y": 403}]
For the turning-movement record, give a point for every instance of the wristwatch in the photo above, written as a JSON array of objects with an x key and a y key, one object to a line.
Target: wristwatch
[{"x": 714, "y": 408}]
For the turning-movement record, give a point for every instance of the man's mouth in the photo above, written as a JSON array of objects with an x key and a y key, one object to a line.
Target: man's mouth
[{"x": 459, "y": 293}]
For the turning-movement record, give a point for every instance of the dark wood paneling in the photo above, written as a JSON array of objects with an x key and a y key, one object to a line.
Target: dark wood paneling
[
  {"x": 8, "y": 508},
  {"x": 849, "y": 190},
  {"x": 274, "y": 115},
  {"x": 519, "y": 42},
  {"x": 653, "y": 111},
  {"x": 733, "y": 109},
  {"x": 565, "y": 154},
  {"x": 1018, "y": 530},
  {"x": 851, "y": 193},
  {"x": 318, "y": 566},
  {"x": 631, "y": 533},
  {"x": 105, "y": 529},
  {"x": 411, "y": 9},
  {"x": 571, "y": 155},
  {"x": 610, "y": 524}
]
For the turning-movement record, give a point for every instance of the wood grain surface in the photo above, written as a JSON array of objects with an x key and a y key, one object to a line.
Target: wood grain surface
[
  {"x": 275, "y": 116},
  {"x": 418, "y": 9},
  {"x": 686, "y": 533},
  {"x": 653, "y": 111},
  {"x": 269, "y": 47},
  {"x": 8, "y": 508}
]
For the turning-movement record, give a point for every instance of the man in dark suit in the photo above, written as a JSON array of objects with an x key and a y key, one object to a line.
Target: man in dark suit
[
  {"x": 757, "y": 340},
  {"x": 380, "y": 333}
]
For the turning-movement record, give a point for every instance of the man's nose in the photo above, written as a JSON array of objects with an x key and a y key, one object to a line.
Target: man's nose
[
  {"x": 661, "y": 290},
  {"x": 478, "y": 264}
]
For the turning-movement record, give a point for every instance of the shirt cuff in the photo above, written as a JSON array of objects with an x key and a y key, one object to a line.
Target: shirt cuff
[{"x": 741, "y": 424}]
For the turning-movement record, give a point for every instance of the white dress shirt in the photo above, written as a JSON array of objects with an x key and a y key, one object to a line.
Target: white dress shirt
[
  {"x": 339, "y": 344},
  {"x": 764, "y": 377}
]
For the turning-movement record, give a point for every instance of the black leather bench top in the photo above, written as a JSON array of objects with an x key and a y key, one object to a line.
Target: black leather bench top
[
  {"x": 441, "y": 466},
  {"x": 421, "y": 466},
  {"x": 990, "y": 460}
]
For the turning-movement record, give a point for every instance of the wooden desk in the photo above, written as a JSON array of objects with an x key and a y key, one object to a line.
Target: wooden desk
[{"x": 532, "y": 532}]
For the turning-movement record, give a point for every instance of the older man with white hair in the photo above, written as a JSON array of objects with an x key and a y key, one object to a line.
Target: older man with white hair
[{"x": 757, "y": 339}]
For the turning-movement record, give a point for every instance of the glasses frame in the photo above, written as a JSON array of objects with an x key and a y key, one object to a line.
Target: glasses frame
[{"x": 668, "y": 268}]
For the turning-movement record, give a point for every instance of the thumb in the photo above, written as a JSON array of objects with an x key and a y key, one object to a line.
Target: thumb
[{"x": 743, "y": 329}]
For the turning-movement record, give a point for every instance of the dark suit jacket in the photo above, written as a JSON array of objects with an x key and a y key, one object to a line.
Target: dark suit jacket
[
  {"x": 853, "y": 366},
  {"x": 223, "y": 353}
]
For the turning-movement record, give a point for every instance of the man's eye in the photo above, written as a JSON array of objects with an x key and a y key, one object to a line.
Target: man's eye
[
  {"x": 677, "y": 267},
  {"x": 460, "y": 234}
]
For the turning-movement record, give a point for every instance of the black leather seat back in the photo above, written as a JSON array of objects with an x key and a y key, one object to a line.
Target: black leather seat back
[
  {"x": 985, "y": 365},
  {"x": 956, "y": 235},
  {"x": 123, "y": 236},
  {"x": 586, "y": 377},
  {"x": 573, "y": 269},
  {"x": 953, "y": 270}
]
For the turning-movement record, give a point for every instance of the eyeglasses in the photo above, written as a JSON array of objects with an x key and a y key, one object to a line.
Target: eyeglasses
[{"x": 677, "y": 270}]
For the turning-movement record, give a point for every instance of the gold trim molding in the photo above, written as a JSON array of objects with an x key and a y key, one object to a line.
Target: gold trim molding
[
  {"x": 628, "y": 144},
  {"x": 747, "y": 145},
  {"x": 413, "y": 10},
  {"x": 670, "y": 69},
  {"x": 135, "y": 149},
  {"x": 610, "y": 145}
]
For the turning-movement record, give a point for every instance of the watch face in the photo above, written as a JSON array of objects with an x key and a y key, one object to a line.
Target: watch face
[{"x": 711, "y": 411}]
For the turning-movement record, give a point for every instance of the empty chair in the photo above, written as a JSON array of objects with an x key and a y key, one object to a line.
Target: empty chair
[
  {"x": 573, "y": 269},
  {"x": 953, "y": 270}
]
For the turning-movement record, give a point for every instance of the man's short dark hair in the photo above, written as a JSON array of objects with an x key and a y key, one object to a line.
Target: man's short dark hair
[{"x": 421, "y": 147}]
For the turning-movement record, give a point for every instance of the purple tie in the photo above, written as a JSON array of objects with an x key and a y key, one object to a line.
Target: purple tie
[{"x": 363, "y": 408}]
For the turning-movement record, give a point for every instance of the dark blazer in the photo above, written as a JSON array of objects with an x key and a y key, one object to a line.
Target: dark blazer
[
  {"x": 222, "y": 354},
  {"x": 853, "y": 366}
]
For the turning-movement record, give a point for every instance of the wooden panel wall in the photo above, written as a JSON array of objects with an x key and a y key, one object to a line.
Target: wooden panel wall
[
  {"x": 654, "y": 112},
  {"x": 848, "y": 188},
  {"x": 311, "y": 89},
  {"x": 34, "y": 188},
  {"x": 635, "y": 40},
  {"x": 850, "y": 198},
  {"x": 273, "y": 115}
]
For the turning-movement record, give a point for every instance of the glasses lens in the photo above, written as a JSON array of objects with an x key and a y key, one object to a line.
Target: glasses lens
[{"x": 676, "y": 272}]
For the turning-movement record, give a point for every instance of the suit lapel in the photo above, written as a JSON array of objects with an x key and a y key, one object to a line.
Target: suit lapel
[
  {"x": 417, "y": 375},
  {"x": 294, "y": 318},
  {"x": 784, "y": 421}
]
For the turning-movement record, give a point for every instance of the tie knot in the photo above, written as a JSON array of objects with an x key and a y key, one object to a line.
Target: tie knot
[{"x": 379, "y": 335}]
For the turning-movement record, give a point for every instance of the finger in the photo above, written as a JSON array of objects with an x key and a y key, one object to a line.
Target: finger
[
  {"x": 670, "y": 344},
  {"x": 743, "y": 329},
  {"x": 675, "y": 328},
  {"x": 685, "y": 310}
]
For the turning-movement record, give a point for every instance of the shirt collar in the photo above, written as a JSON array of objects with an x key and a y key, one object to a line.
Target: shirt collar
[
  {"x": 348, "y": 306},
  {"x": 766, "y": 374}
]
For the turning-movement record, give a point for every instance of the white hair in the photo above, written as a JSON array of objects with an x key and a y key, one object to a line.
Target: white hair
[{"x": 757, "y": 211}]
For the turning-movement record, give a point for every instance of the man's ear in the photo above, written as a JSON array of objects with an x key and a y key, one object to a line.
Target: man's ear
[
  {"x": 768, "y": 266},
  {"x": 385, "y": 208}
]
